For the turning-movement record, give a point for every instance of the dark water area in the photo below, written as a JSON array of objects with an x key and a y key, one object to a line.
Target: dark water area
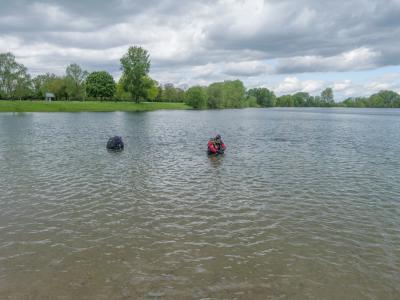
[{"x": 305, "y": 204}]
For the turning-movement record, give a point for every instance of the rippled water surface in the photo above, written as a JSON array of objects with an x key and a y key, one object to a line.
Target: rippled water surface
[{"x": 304, "y": 205}]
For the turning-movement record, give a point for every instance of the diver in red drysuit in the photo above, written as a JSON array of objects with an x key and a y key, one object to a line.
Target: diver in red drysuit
[{"x": 216, "y": 145}]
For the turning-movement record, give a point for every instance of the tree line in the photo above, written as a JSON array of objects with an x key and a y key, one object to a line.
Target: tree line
[{"x": 136, "y": 85}]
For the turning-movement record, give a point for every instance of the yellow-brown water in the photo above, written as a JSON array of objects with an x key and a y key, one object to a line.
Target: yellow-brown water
[{"x": 304, "y": 205}]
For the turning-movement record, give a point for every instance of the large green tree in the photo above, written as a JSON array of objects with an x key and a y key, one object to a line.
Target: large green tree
[
  {"x": 302, "y": 99},
  {"x": 100, "y": 85},
  {"x": 120, "y": 93},
  {"x": 234, "y": 93},
  {"x": 170, "y": 93},
  {"x": 15, "y": 82},
  {"x": 135, "y": 65},
  {"x": 226, "y": 94},
  {"x": 151, "y": 88},
  {"x": 59, "y": 87},
  {"x": 196, "y": 96},
  {"x": 75, "y": 81},
  {"x": 285, "y": 101},
  {"x": 264, "y": 97},
  {"x": 327, "y": 98},
  {"x": 384, "y": 98},
  {"x": 23, "y": 87},
  {"x": 215, "y": 95}
]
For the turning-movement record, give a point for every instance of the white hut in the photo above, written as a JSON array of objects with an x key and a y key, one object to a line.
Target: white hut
[{"x": 49, "y": 96}]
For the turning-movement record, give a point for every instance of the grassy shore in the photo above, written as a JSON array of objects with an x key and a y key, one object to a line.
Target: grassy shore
[{"x": 81, "y": 106}]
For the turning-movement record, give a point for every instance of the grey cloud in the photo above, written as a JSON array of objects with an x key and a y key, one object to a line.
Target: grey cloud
[
  {"x": 314, "y": 28},
  {"x": 245, "y": 69},
  {"x": 299, "y": 35}
]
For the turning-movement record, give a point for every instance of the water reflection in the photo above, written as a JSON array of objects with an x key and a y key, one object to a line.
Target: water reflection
[{"x": 215, "y": 160}]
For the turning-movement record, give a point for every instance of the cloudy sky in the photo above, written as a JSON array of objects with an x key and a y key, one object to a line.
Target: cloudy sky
[{"x": 286, "y": 45}]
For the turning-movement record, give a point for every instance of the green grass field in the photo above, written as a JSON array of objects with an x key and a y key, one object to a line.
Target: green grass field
[{"x": 81, "y": 106}]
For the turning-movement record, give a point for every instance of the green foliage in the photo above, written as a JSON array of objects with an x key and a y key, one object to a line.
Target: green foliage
[
  {"x": 169, "y": 93},
  {"x": 135, "y": 65},
  {"x": 151, "y": 88},
  {"x": 227, "y": 94},
  {"x": 384, "y": 99},
  {"x": 317, "y": 101},
  {"x": 215, "y": 92},
  {"x": 196, "y": 97},
  {"x": 234, "y": 93},
  {"x": 100, "y": 85},
  {"x": 23, "y": 87},
  {"x": 59, "y": 87},
  {"x": 69, "y": 87},
  {"x": 75, "y": 72},
  {"x": 75, "y": 82},
  {"x": 264, "y": 97},
  {"x": 251, "y": 101},
  {"x": 121, "y": 94},
  {"x": 285, "y": 101},
  {"x": 41, "y": 85},
  {"x": 387, "y": 99},
  {"x": 15, "y": 82},
  {"x": 355, "y": 102},
  {"x": 327, "y": 98},
  {"x": 302, "y": 99}
]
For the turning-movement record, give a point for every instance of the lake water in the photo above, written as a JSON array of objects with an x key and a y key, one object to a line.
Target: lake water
[{"x": 304, "y": 205}]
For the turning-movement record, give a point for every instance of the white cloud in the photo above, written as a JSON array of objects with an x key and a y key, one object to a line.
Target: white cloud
[
  {"x": 343, "y": 85},
  {"x": 357, "y": 59},
  {"x": 293, "y": 85},
  {"x": 9, "y": 43},
  {"x": 341, "y": 88}
]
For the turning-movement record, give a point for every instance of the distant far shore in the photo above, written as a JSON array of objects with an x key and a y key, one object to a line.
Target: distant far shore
[
  {"x": 85, "y": 106},
  {"x": 108, "y": 106}
]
